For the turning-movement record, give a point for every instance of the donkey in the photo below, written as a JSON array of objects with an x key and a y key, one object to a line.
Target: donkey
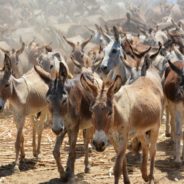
[
  {"x": 77, "y": 53},
  {"x": 50, "y": 62},
  {"x": 174, "y": 92},
  {"x": 118, "y": 112},
  {"x": 114, "y": 61},
  {"x": 26, "y": 95},
  {"x": 69, "y": 106},
  {"x": 24, "y": 58}
]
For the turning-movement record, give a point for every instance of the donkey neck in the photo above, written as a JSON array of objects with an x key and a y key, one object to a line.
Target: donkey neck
[
  {"x": 122, "y": 70},
  {"x": 14, "y": 82}
]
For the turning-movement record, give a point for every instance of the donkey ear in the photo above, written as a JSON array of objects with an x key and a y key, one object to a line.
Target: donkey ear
[
  {"x": 69, "y": 42},
  {"x": 86, "y": 42},
  {"x": 88, "y": 85},
  {"x": 145, "y": 65},
  {"x": 115, "y": 86},
  {"x": 75, "y": 62},
  {"x": 19, "y": 51},
  {"x": 175, "y": 68},
  {"x": 116, "y": 33},
  {"x": 57, "y": 55},
  {"x": 7, "y": 63},
  {"x": 43, "y": 74},
  {"x": 62, "y": 72}
]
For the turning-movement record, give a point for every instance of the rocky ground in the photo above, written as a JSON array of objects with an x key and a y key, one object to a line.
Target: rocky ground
[{"x": 44, "y": 171}]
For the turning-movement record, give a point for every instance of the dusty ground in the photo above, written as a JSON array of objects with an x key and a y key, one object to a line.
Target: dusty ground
[{"x": 44, "y": 171}]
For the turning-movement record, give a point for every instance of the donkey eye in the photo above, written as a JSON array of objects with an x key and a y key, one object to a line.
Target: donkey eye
[
  {"x": 7, "y": 85},
  {"x": 64, "y": 100},
  {"x": 114, "y": 51},
  {"x": 109, "y": 113},
  {"x": 48, "y": 98},
  {"x": 91, "y": 108},
  {"x": 51, "y": 66}
]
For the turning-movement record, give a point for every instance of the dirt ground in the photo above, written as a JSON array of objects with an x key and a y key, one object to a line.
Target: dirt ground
[{"x": 44, "y": 171}]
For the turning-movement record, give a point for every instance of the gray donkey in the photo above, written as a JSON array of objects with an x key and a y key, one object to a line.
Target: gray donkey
[{"x": 27, "y": 96}]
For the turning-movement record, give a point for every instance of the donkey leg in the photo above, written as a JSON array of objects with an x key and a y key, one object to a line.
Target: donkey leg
[
  {"x": 125, "y": 172},
  {"x": 145, "y": 148},
  {"x": 39, "y": 131},
  {"x": 173, "y": 126},
  {"x": 120, "y": 159},
  {"x": 34, "y": 137},
  {"x": 22, "y": 156},
  {"x": 178, "y": 135},
  {"x": 87, "y": 134},
  {"x": 167, "y": 131},
  {"x": 40, "y": 127},
  {"x": 56, "y": 153},
  {"x": 72, "y": 134},
  {"x": 153, "y": 142},
  {"x": 19, "y": 139}
]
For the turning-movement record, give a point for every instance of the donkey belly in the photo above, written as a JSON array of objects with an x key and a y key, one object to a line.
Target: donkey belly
[
  {"x": 71, "y": 122},
  {"x": 85, "y": 124}
]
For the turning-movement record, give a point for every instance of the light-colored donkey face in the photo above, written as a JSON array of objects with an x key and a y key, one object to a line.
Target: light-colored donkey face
[
  {"x": 5, "y": 84},
  {"x": 14, "y": 59},
  {"x": 102, "y": 110},
  {"x": 101, "y": 118},
  {"x": 50, "y": 61},
  {"x": 113, "y": 53},
  {"x": 78, "y": 49},
  {"x": 57, "y": 100}
]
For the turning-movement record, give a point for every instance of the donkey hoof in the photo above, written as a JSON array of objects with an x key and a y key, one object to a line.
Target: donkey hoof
[
  {"x": 22, "y": 157},
  {"x": 127, "y": 181},
  {"x": 38, "y": 158},
  {"x": 64, "y": 179},
  {"x": 67, "y": 177},
  {"x": 146, "y": 178},
  {"x": 87, "y": 170},
  {"x": 151, "y": 181},
  {"x": 16, "y": 169},
  {"x": 167, "y": 134},
  {"x": 62, "y": 175},
  {"x": 36, "y": 153},
  {"x": 177, "y": 164}
]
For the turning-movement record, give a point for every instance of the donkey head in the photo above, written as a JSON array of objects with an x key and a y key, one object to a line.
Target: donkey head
[
  {"x": 78, "y": 49},
  {"x": 57, "y": 100},
  {"x": 113, "y": 53},
  {"x": 14, "y": 59},
  {"x": 102, "y": 110},
  {"x": 5, "y": 82}
]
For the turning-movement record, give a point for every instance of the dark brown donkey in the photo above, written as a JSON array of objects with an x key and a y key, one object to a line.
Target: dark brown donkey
[
  {"x": 69, "y": 107},
  {"x": 133, "y": 110}
]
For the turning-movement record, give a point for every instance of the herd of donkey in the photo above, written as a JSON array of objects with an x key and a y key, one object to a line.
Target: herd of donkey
[{"x": 116, "y": 92}]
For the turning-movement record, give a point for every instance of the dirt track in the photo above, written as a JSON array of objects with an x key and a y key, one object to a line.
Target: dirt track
[{"x": 44, "y": 171}]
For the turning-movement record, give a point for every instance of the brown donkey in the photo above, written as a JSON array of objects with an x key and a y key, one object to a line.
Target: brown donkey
[
  {"x": 69, "y": 107},
  {"x": 119, "y": 112}
]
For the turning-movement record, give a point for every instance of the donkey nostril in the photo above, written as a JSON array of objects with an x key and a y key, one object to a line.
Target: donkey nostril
[
  {"x": 104, "y": 69},
  {"x": 61, "y": 129},
  {"x": 57, "y": 132},
  {"x": 94, "y": 143},
  {"x": 103, "y": 144},
  {"x": 1, "y": 107}
]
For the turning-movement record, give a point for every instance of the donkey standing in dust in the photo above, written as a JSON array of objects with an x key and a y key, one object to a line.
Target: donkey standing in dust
[
  {"x": 27, "y": 95},
  {"x": 69, "y": 107},
  {"x": 118, "y": 111}
]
